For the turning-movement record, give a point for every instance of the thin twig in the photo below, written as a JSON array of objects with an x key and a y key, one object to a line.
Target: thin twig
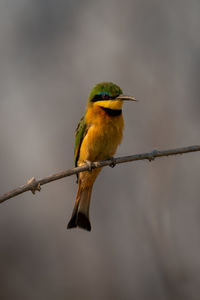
[{"x": 35, "y": 185}]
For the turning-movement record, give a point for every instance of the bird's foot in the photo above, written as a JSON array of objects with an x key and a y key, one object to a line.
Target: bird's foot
[
  {"x": 89, "y": 164},
  {"x": 113, "y": 163}
]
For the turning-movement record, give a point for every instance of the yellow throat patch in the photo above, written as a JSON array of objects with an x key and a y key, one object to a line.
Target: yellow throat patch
[{"x": 111, "y": 104}]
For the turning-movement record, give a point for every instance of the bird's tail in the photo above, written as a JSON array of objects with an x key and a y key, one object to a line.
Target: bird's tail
[{"x": 80, "y": 214}]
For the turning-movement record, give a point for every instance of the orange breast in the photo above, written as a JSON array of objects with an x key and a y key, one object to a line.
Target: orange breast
[
  {"x": 103, "y": 137},
  {"x": 101, "y": 141}
]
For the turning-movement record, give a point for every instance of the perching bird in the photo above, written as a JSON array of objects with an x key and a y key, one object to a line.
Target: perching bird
[{"x": 97, "y": 136}]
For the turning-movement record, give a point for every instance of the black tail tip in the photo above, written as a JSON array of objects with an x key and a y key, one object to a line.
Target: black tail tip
[
  {"x": 81, "y": 221},
  {"x": 72, "y": 223}
]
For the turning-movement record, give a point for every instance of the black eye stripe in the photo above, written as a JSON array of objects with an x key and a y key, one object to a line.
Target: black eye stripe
[
  {"x": 99, "y": 97},
  {"x": 102, "y": 97}
]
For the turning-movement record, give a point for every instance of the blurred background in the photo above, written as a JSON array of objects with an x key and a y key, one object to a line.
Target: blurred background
[{"x": 145, "y": 241}]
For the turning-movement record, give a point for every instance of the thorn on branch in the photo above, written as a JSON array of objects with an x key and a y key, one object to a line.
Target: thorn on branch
[
  {"x": 34, "y": 186},
  {"x": 152, "y": 155},
  {"x": 113, "y": 163}
]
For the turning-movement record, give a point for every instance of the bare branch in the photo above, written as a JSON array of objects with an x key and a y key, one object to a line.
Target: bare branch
[{"x": 35, "y": 185}]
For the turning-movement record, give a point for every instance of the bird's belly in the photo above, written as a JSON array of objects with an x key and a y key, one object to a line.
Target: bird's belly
[{"x": 101, "y": 141}]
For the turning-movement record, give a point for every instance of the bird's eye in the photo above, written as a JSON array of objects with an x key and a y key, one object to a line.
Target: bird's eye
[
  {"x": 100, "y": 97},
  {"x": 105, "y": 96}
]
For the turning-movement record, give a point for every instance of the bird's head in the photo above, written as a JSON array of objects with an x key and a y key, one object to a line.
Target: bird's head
[{"x": 108, "y": 95}]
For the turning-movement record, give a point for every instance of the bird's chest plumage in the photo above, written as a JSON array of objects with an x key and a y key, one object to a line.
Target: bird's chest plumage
[{"x": 103, "y": 136}]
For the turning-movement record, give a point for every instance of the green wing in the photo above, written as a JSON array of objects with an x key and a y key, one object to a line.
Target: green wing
[{"x": 80, "y": 133}]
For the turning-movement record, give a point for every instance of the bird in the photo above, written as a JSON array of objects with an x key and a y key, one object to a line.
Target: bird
[{"x": 97, "y": 137}]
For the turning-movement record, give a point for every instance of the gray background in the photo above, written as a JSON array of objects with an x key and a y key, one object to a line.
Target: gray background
[{"x": 145, "y": 241}]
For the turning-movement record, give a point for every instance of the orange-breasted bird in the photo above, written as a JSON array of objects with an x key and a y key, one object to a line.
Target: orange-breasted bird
[{"x": 97, "y": 136}]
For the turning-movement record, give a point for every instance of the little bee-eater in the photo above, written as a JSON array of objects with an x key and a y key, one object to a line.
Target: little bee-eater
[{"x": 97, "y": 136}]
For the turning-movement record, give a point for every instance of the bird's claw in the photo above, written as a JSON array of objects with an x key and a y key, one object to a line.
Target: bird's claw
[{"x": 89, "y": 164}]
